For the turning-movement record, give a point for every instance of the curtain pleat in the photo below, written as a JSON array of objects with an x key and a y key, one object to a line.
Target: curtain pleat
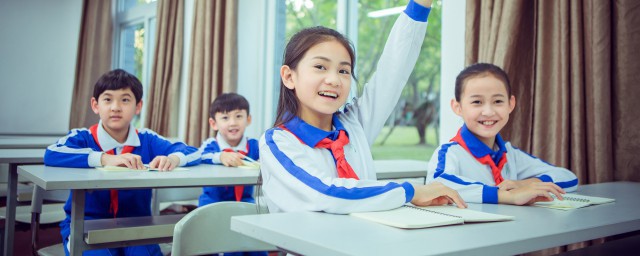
[
  {"x": 574, "y": 70},
  {"x": 93, "y": 60},
  {"x": 212, "y": 63},
  {"x": 166, "y": 66}
]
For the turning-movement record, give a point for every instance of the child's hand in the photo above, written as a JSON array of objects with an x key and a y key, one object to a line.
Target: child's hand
[
  {"x": 129, "y": 160},
  {"x": 231, "y": 159},
  {"x": 513, "y": 184},
  {"x": 164, "y": 163},
  {"x": 531, "y": 193},
  {"x": 436, "y": 193}
]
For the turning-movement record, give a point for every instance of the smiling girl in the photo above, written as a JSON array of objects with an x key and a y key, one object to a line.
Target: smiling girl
[{"x": 317, "y": 158}]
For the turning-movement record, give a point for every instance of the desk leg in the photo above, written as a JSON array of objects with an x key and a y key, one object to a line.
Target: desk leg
[
  {"x": 76, "y": 239},
  {"x": 10, "y": 221}
]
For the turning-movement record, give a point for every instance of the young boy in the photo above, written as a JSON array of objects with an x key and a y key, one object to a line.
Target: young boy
[
  {"x": 228, "y": 117},
  {"x": 477, "y": 162},
  {"x": 117, "y": 98}
]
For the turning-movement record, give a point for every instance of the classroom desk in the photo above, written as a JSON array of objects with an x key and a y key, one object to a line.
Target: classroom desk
[
  {"x": 23, "y": 141},
  {"x": 400, "y": 169},
  {"x": 80, "y": 180},
  {"x": 15, "y": 157},
  {"x": 534, "y": 228}
]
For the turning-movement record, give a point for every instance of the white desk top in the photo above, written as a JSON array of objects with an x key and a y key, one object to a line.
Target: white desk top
[
  {"x": 19, "y": 141},
  {"x": 21, "y": 156},
  {"x": 534, "y": 228},
  {"x": 53, "y": 178},
  {"x": 398, "y": 169}
]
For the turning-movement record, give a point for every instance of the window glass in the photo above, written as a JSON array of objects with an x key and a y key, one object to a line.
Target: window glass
[
  {"x": 129, "y": 4},
  {"x": 308, "y": 13}
]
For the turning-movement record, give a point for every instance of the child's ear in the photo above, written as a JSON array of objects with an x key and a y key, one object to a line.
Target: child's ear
[
  {"x": 455, "y": 106},
  {"x": 512, "y": 103},
  {"x": 248, "y": 120},
  {"x": 286, "y": 74},
  {"x": 138, "y": 107},
  {"x": 212, "y": 123},
  {"x": 94, "y": 105}
]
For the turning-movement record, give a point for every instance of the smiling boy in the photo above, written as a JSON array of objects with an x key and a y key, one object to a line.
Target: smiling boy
[{"x": 228, "y": 117}]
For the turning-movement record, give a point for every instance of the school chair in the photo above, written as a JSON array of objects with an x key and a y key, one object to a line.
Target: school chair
[
  {"x": 207, "y": 230},
  {"x": 43, "y": 214}
]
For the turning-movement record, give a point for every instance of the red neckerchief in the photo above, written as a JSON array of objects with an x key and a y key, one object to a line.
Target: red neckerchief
[
  {"x": 238, "y": 190},
  {"x": 113, "y": 208},
  {"x": 337, "y": 150},
  {"x": 486, "y": 160}
]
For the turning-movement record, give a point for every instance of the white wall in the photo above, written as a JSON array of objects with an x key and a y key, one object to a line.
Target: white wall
[
  {"x": 453, "y": 29},
  {"x": 38, "y": 47}
]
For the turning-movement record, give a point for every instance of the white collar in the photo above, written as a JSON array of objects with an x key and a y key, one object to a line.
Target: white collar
[
  {"x": 222, "y": 143},
  {"x": 108, "y": 143}
]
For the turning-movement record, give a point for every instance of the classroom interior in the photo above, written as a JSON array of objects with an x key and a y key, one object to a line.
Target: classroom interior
[{"x": 575, "y": 99}]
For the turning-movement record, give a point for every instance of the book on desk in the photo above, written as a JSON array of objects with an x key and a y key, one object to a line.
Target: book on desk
[
  {"x": 574, "y": 201},
  {"x": 412, "y": 217}
]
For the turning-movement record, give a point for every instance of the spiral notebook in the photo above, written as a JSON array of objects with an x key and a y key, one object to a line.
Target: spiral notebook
[
  {"x": 574, "y": 201},
  {"x": 411, "y": 217}
]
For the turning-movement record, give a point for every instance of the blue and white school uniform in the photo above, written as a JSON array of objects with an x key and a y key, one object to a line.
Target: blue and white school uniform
[
  {"x": 468, "y": 168},
  {"x": 298, "y": 177},
  {"x": 211, "y": 150},
  {"x": 79, "y": 149}
]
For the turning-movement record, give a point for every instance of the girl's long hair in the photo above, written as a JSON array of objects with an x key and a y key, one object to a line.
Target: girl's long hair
[{"x": 297, "y": 47}]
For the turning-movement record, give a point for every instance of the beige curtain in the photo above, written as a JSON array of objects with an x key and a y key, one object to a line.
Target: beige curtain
[
  {"x": 165, "y": 73},
  {"x": 212, "y": 65},
  {"x": 93, "y": 60},
  {"x": 574, "y": 71}
]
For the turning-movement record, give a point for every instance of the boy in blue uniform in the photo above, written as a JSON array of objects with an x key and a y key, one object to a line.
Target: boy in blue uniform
[
  {"x": 117, "y": 98},
  {"x": 477, "y": 162},
  {"x": 229, "y": 117}
]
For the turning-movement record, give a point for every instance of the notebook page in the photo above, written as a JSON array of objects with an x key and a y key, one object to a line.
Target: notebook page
[
  {"x": 409, "y": 217},
  {"x": 573, "y": 201},
  {"x": 122, "y": 168},
  {"x": 467, "y": 214}
]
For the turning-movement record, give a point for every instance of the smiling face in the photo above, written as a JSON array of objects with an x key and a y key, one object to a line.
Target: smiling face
[
  {"x": 484, "y": 106},
  {"x": 231, "y": 125},
  {"x": 116, "y": 109},
  {"x": 321, "y": 81}
]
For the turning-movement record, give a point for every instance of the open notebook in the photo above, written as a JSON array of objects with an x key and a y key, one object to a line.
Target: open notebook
[
  {"x": 574, "y": 201},
  {"x": 121, "y": 168},
  {"x": 410, "y": 217}
]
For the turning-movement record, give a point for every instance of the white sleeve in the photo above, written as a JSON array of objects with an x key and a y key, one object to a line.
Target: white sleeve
[
  {"x": 444, "y": 167},
  {"x": 532, "y": 167},
  {"x": 298, "y": 178},
  {"x": 382, "y": 92}
]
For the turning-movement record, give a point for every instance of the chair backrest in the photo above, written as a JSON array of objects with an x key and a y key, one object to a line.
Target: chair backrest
[
  {"x": 164, "y": 195},
  {"x": 207, "y": 230}
]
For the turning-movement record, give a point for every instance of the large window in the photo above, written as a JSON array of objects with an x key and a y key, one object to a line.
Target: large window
[
  {"x": 134, "y": 42},
  {"x": 412, "y": 130}
]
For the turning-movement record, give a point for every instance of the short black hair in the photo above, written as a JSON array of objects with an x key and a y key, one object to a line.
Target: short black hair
[
  {"x": 228, "y": 102},
  {"x": 118, "y": 79},
  {"x": 478, "y": 70}
]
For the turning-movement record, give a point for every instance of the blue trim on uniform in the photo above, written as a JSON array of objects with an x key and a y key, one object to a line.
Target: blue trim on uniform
[
  {"x": 489, "y": 194},
  {"x": 417, "y": 12},
  {"x": 409, "y": 191},
  {"x": 564, "y": 184},
  {"x": 316, "y": 184},
  {"x": 479, "y": 149},
  {"x": 310, "y": 134},
  {"x": 568, "y": 184},
  {"x": 442, "y": 159},
  {"x": 545, "y": 178}
]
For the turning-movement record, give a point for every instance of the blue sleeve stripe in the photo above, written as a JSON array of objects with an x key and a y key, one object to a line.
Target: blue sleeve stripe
[
  {"x": 568, "y": 184},
  {"x": 489, "y": 195},
  {"x": 545, "y": 178},
  {"x": 417, "y": 12},
  {"x": 409, "y": 191},
  {"x": 315, "y": 183},
  {"x": 442, "y": 159}
]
